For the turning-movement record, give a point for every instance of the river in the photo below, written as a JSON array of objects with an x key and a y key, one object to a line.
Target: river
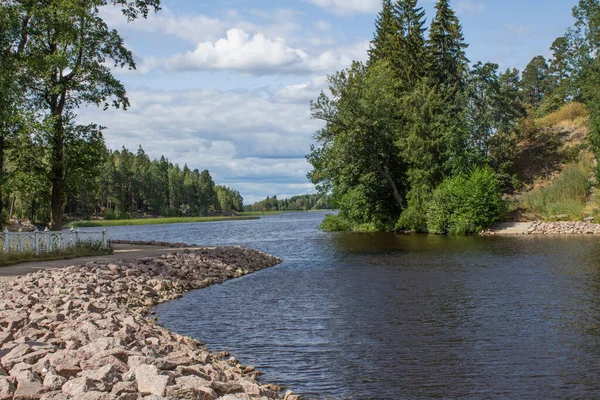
[{"x": 385, "y": 316}]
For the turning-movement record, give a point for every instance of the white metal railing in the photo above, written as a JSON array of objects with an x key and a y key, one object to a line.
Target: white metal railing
[{"x": 45, "y": 242}]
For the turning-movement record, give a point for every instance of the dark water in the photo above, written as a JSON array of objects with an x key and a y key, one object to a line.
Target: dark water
[{"x": 381, "y": 316}]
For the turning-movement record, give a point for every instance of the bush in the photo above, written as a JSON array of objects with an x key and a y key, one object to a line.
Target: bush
[
  {"x": 109, "y": 215},
  {"x": 335, "y": 223},
  {"x": 466, "y": 204}
]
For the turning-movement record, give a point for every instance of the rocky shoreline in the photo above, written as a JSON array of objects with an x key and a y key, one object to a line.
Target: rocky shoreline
[
  {"x": 545, "y": 228},
  {"x": 83, "y": 332}
]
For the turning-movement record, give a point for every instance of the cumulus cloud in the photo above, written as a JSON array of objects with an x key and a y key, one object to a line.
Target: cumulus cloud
[
  {"x": 348, "y": 6},
  {"x": 197, "y": 28},
  {"x": 260, "y": 55},
  {"x": 238, "y": 51}
]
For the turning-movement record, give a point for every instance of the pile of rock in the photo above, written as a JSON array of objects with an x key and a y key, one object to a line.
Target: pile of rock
[
  {"x": 82, "y": 333},
  {"x": 564, "y": 228}
]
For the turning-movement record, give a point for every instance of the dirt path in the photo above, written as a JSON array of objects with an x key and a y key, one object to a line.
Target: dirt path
[
  {"x": 122, "y": 252},
  {"x": 510, "y": 228}
]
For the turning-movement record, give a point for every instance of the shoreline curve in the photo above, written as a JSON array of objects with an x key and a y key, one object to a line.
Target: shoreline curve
[{"x": 84, "y": 332}]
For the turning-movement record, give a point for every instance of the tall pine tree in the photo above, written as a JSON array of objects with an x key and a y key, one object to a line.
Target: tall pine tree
[
  {"x": 386, "y": 30},
  {"x": 447, "y": 44},
  {"x": 412, "y": 60}
]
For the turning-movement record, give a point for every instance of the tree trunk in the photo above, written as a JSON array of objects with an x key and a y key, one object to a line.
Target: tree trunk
[
  {"x": 2, "y": 177},
  {"x": 12, "y": 207},
  {"x": 58, "y": 174},
  {"x": 386, "y": 174}
]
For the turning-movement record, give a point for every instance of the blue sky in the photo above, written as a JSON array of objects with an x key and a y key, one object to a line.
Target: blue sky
[{"x": 226, "y": 84}]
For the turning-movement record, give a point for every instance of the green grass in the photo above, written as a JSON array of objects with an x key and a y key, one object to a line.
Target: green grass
[
  {"x": 258, "y": 213},
  {"x": 566, "y": 195},
  {"x": 82, "y": 251},
  {"x": 155, "y": 221}
]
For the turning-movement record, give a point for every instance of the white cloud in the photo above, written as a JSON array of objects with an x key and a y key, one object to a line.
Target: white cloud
[
  {"x": 465, "y": 7},
  {"x": 259, "y": 55},
  {"x": 238, "y": 51},
  {"x": 302, "y": 93},
  {"x": 349, "y": 6}
]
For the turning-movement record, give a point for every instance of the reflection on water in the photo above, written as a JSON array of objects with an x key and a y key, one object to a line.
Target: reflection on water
[{"x": 384, "y": 316}]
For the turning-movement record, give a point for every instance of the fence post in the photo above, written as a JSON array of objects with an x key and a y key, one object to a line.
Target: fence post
[
  {"x": 36, "y": 241},
  {"x": 48, "y": 244},
  {"x": 76, "y": 237},
  {"x": 104, "y": 239},
  {"x": 6, "y": 241}
]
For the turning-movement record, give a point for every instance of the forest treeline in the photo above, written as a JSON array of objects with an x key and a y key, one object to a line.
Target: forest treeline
[
  {"x": 305, "y": 202},
  {"x": 418, "y": 138},
  {"x": 125, "y": 185}
]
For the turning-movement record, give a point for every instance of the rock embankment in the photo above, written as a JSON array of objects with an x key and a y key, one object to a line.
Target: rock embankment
[
  {"x": 546, "y": 228},
  {"x": 83, "y": 332}
]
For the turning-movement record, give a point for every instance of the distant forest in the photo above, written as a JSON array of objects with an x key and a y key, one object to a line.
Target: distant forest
[
  {"x": 125, "y": 185},
  {"x": 304, "y": 202}
]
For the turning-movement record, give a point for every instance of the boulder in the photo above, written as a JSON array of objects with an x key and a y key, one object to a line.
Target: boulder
[
  {"x": 7, "y": 388},
  {"x": 29, "y": 391},
  {"x": 53, "y": 381},
  {"x": 77, "y": 387},
  {"x": 149, "y": 381},
  {"x": 191, "y": 387}
]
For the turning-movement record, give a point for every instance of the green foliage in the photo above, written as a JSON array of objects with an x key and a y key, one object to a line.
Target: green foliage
[
  {"x": 466, "y": 204},
  {"x": 535, "y": 83},
  {"x": 335, "y": 223},
  {"x": 567, "y": 194}
]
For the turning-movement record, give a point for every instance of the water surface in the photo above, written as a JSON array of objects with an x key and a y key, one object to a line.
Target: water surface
[{"x": 384, "y": 316}]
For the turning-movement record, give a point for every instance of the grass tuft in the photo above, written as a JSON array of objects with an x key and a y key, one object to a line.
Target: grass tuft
[
  {"x": 566, "y": 195},
  {"x": 80, "y": 251},
  {"x": 575, "y": 113},
  {"x": 155, "y": 221}
]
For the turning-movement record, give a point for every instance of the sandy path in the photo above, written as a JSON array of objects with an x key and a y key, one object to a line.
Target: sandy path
[{"x": 122, "y": 252}]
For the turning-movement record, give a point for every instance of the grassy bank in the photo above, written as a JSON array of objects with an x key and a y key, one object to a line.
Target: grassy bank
[
  {"x": 83, "y": 251},
  {"x": 258, "y": 213},
  {"x": 155, "y": 221},
  {"x": 566, "y": 195}
]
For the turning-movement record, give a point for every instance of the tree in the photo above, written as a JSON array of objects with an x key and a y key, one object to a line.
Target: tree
[
  {"x": 356, "y": 150},
  {"x": 67, "y": 46},
  {"x": 584, "y": 46},
  {"x": 386, "y": 29},
  {"x": 413, "y": 59},
  {"x": 535, "y": 83},
  {"x": 10, "y": 93},
  {"x": 447, "y": 44}
]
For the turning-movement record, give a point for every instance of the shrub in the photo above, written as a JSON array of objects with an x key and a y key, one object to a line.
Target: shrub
[
  {"x": 109, "y": 215},
  {"x": 466, "y": 204},
  {"x": 335, "y": 223}
]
